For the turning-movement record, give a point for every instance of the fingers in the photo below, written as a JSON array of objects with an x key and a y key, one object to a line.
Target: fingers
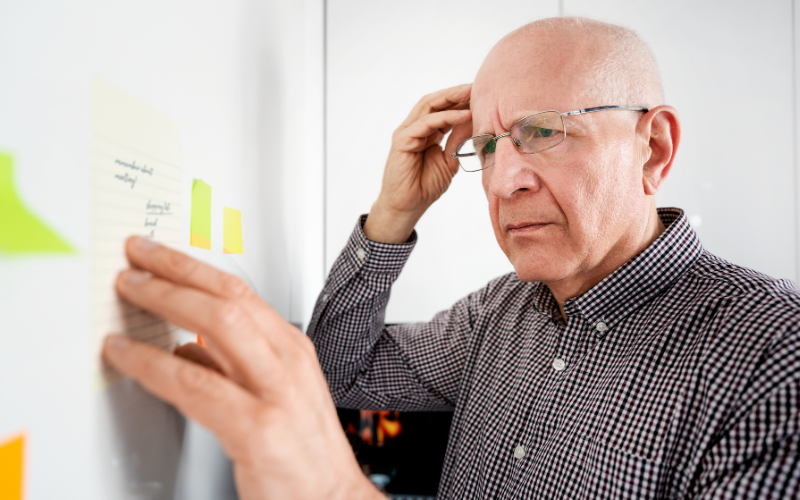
[
  {"x": 415, "y": 137},
  {"x": 184, "y": 270},
  {"x": 438, "y": 101},
  {"x": 239, "y": 347},
  {"x": 198, "y": 354},
  {"x": 199, "y": 393},
  {"x": 181, "y": 269},
  {"x": 460, "y": 133},
  {"x": 434, "y": 139},
  {"x": 439, "y": 178}
]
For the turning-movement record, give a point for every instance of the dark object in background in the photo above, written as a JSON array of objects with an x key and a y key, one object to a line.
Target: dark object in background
[{"x": 404, "y": 451}]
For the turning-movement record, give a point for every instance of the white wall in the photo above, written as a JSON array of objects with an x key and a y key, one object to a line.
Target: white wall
[
  {"x": 727, "y": 67},
  {"x": 241, "y": 78}
]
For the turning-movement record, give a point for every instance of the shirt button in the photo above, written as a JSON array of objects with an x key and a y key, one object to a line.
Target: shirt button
[
  {"x": 325, "y": 298},
  {"x": 361, "y": 253},
  {"x": 519, "y": 452},
  {"x": 559, "y": 364},
  {"x": 601, "y": 327}
]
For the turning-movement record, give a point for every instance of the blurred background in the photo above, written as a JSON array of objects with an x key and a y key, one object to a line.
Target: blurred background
[{"x": 288, "y": 108}]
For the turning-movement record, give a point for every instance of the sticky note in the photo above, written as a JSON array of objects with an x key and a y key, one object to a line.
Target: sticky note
[
  {"x": 232, "y": 229},
  {"x": 201, "y": 215},
  {"x": 12, "y": 455},
  {"x": 21, "y": 231}
]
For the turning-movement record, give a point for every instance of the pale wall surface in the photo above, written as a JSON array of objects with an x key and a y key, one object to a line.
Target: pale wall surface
[{"x": 233, "y": 74}]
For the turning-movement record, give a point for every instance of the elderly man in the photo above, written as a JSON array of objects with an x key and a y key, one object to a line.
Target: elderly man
[{"x": 620, "y": 359}]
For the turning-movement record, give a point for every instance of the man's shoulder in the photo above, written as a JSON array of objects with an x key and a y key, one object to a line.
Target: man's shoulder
[{"x": 725, "y": 280}]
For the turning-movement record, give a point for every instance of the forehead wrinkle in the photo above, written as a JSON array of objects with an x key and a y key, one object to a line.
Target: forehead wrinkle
[{"x": 539, "y": 84}]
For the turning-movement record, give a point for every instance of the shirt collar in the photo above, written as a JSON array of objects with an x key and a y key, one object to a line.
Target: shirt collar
[{"x": 635, "y": 282}]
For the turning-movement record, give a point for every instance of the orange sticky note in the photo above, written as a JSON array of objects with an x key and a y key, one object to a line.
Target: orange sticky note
[{"x": 12, "y": 456}]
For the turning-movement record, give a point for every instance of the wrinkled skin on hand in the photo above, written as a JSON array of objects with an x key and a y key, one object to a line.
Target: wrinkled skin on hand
[
  {"x": 418, "y": 170},
  {"x": 258, "y": 385}
]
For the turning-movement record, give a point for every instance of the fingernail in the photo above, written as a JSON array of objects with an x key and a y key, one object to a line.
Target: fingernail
[
  {"x": 465, "y": 86},
  {"x": 117, "y": 341},
  {"x": 134, "y": 276},
  {"x": 143, "y": 243},
  {"x": 465, "y": 111}
]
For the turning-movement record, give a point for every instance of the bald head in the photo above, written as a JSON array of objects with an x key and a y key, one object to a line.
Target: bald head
[{"x": 597, "y": 63}]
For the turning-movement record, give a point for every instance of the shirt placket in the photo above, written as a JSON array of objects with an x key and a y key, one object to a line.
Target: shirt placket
[
  {"x": 572, "y": 344},
  {"x": 532, "y": 425}
]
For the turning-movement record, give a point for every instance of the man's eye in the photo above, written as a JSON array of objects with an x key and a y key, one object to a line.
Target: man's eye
[
  {"x": 530, "y": 133},
  {"x": 546, "y": 132},
  {"x": 489, "y": 147}
]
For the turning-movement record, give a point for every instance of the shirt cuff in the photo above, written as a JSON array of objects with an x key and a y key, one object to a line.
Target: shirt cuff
[{"x": 373, "y": 256}]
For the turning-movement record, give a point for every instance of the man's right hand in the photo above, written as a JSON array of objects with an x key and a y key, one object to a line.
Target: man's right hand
[
  {"x": 258, "y": 385},
  {"x": 418, "y": 171}
]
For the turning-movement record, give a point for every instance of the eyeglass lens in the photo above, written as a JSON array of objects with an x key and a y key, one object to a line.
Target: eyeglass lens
[{"x": 530, "y": 135}]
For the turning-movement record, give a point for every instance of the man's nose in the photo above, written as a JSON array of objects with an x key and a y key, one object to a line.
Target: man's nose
[{"x": 511, "y": 171}]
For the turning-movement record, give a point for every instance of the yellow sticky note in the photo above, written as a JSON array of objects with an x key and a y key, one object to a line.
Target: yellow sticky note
[
  {"x": 21, "y": 231},
  {"x": 232, "y": 229},
  {"x": 12, "y": 455},
  {"x": 201, "y": 215}
]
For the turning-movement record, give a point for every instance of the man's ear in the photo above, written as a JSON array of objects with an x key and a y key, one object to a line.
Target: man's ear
[{"x": 660, "y": 132}]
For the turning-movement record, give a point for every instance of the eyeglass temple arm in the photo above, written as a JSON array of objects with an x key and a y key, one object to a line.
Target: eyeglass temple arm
[{"x": 603, "y": 108}]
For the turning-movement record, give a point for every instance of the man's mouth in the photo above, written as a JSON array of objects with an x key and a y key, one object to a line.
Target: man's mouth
[{"x": 525, "y": 227}]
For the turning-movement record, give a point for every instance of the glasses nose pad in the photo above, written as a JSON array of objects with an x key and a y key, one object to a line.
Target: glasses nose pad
[{"x": 517, "y": 142}]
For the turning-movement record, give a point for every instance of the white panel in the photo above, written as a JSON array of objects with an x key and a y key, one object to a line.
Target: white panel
[
  {"x": 311, "y": 176},
  {"x": 727, "y": 68},
  {"x": 382, "y": 58},
  {"x": 232, "y": 75}
]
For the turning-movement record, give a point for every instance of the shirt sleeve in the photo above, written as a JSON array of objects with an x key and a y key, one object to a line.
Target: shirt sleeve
[
  {"x": 371, "y": 366},
  {"x": 758, "y": 453}
]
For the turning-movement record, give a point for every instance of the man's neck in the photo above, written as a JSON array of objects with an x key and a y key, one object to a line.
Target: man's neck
[{"x": 574, "y": 286}]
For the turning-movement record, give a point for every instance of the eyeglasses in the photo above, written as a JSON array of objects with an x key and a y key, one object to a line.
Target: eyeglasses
[{"x": 530, "y": 135}]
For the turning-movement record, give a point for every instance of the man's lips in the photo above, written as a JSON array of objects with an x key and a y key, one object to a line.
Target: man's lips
[{"x": 525, "y": 227}]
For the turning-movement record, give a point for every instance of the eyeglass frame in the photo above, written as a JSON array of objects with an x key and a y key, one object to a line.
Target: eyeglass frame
[{"x": 581, "y": 111}]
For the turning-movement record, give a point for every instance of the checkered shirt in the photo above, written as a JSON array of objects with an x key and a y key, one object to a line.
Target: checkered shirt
[{"x": 677, "y": 376}]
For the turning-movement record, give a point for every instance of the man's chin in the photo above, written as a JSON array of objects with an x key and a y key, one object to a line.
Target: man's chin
[
  {"x": 544, "y": 272},
  {"x": 532, "y": 277}
]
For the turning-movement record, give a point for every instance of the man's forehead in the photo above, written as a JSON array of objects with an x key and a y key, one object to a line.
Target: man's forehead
[
  {"x": 502, "y": 102},
  {"x": 532, "y": 72}
]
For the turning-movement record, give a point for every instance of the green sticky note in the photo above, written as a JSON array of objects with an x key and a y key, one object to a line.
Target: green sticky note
[
  {"x": 232, "y": 229},
  {"x": 21, "y": 231},
  {"x": 201, "y": 215}
]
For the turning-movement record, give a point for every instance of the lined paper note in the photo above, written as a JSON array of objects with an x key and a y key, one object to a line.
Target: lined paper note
[
  {"x": 12, "y": 459},
  {"x": 136, "y": 189},
  {"x": 232, "y": 231},
  {"x": 201, "y": 215}
]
